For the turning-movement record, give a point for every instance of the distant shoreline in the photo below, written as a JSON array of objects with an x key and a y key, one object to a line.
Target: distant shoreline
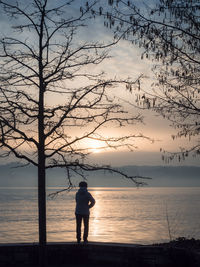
[
  {"x": 95, "y": 187},
  {"x": 162, "y": 176}
]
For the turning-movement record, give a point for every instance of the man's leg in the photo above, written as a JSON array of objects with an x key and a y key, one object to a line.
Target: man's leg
[
  {"x": 78, "y": 227},
  {"x": 86, "y": 227}
]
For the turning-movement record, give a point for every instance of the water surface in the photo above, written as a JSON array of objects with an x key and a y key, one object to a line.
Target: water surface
[{"x": 126, "y": 215}]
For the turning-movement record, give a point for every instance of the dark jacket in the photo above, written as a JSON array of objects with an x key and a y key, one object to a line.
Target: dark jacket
[{"x": 84, "y": 201}]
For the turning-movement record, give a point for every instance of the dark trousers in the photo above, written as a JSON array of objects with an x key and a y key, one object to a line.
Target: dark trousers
[{"x": 79, "y": 219}]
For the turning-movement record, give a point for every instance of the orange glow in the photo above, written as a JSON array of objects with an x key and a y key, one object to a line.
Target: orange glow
[{"x": 94, "y": 146}]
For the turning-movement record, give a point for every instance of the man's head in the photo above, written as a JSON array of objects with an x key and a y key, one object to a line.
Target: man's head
[{"x": 83, "y": 184}]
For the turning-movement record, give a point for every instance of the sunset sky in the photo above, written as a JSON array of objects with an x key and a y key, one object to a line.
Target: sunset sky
[
  {"x": 76, "y": 104},
  {"x": 125, "y": 62}
]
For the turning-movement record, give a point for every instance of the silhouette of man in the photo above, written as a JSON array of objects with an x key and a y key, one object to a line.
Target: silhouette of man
[{"x": 84, "y": 202}]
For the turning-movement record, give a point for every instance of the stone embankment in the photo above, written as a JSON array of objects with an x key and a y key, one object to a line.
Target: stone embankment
[{"x": 98, "y": 255}]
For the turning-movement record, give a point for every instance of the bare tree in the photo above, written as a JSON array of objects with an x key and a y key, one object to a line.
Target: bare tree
[
  {"x": 50, "y": 101},
  {"x": 168, "y": 33}
]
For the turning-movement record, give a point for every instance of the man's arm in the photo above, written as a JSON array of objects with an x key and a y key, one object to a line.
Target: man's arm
[{"x": 92, "y": 202}]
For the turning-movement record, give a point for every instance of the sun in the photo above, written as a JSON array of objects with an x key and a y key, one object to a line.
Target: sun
[{"x": 94, "y": 146}]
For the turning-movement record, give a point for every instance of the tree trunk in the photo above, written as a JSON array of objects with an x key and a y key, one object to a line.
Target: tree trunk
[
  {"x": 41, "y": 183},
  {"x": 41, "y": 198},
  {"x": 41, "y": 143}
]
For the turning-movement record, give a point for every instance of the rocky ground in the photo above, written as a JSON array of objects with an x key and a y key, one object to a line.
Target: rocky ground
[{"x": 182, "y": 242}]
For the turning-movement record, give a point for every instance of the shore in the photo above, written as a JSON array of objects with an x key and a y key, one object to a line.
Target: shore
[{"x": 97, "y": 254}]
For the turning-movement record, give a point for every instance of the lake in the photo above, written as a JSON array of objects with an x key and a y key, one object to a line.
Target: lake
[{"x": 126, "y": 215}]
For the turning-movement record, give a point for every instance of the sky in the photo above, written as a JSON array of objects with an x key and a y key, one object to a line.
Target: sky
[{"x": 125, "y": 62}]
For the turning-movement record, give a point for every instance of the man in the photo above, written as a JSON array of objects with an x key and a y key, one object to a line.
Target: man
[{"x": 84, "y": 202}]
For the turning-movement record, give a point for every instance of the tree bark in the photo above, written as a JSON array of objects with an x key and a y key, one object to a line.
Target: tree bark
[
  {"x": 41, "y": 172},
  {"x": 41, "y": 143},
  {"x": 41, "y": 181},
  {"x": 41, "y": 195}
]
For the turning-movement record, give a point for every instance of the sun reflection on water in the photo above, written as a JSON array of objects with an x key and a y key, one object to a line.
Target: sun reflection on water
[
  {"x": 96, "y": 212},
  {"x": 124, "y": 215}
]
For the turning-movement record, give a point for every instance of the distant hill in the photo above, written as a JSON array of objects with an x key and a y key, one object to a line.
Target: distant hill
[
  {"x": 168, "y": 175},
  {"x": 161, "y": 176}
]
